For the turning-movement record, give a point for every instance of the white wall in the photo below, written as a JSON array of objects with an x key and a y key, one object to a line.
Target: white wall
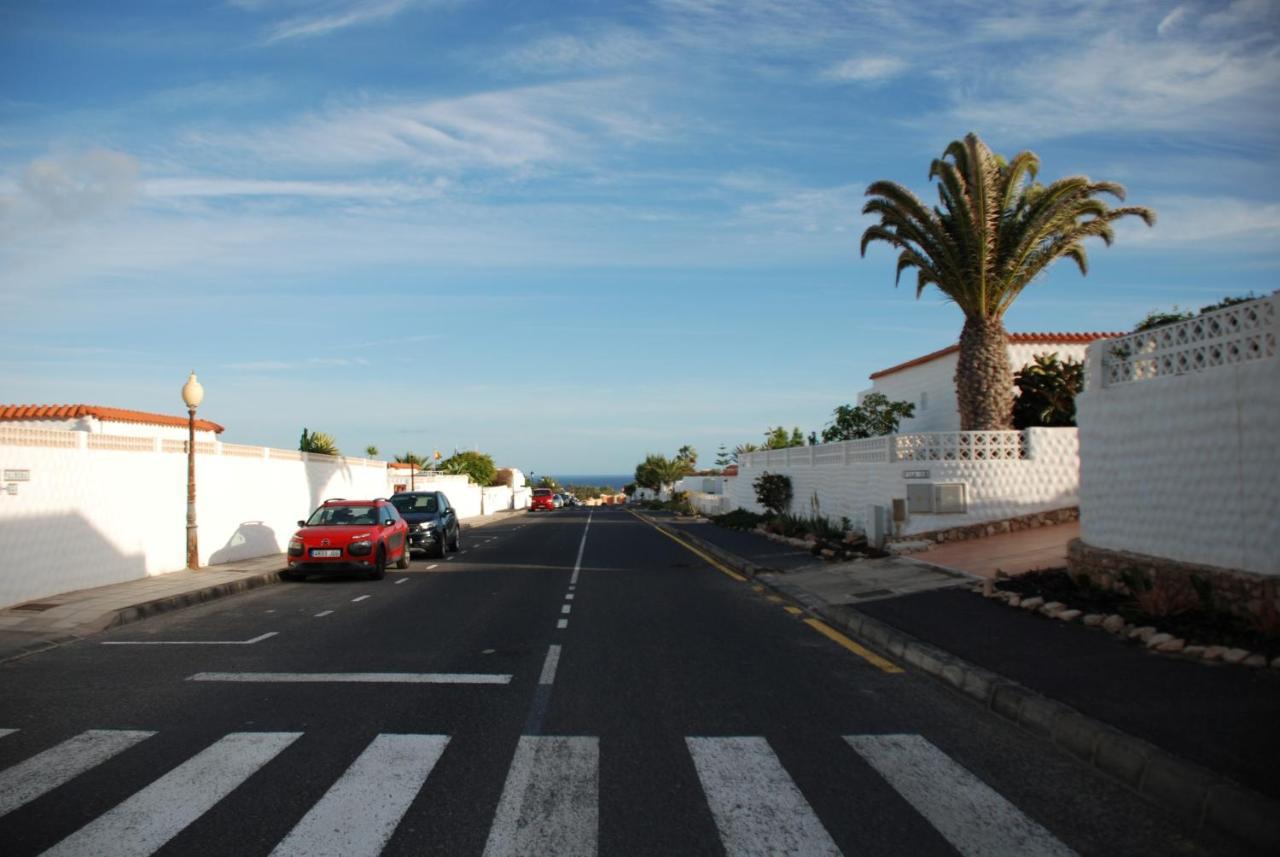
[
  {"x": 1180, "y": 443},
  {"x": 1007, "y": 474},
  {"x": 102, "y": 509},
  {"x": 931, "y": 386}
]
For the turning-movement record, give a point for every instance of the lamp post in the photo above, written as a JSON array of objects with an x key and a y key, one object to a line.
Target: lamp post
[{"x": 192, "y": 395}]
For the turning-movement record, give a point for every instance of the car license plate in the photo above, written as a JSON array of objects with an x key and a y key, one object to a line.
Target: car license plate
[{"x": 326, "y": 553}]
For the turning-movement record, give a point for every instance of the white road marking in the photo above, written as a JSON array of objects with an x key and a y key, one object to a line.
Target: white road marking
[
  {"x": 358, "y": 678},
  {"x": 45, "y": 771},
  {"x": 549, "y": 666},
  {"x": 271, "y": 610},
  {"x": 323, "y": 613},
  {"x": 153, "y": 816},
  {"x": 4, "y": 732},
  {"x": 433, "y": 565},
  {"x": 569, "y": 597},
  {"x": 756, "y": 806},
  {"x": 562, "y": 624},
  {"x": 357, "y": 816},
  {"x": 257, "y": 639},
  {"x": 566, "y": 608},
  {"x": 402, "y": 580},
  {"x": 448, "y": 559},
  {"x": 550, "y": 802},
  {"x": 359, "y": 598},
  {"x": 582, "y": 545},
  {"x": 971, "y": 815}
]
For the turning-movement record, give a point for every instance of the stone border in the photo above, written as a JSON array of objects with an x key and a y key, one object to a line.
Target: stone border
[
  {"x": 991, "y": 528},
  {"x": 1253, "y": 597},
  {"x": 1214, "y": 801}
]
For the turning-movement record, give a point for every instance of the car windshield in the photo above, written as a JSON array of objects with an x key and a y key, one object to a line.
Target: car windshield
[
  {"x": 416, "y": 503},
  {"x": 542, "y": 492},
  {"x": 339, "y": 516}
]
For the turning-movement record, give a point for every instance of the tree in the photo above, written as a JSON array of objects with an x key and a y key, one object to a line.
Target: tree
[
  {"x": 657, "y": 472},
  {"x": 778, "y": 438},
  {"x": 744, "y": 449},
  {"x": 997, "y": 229},
  {"x": 1047, "y": 389},
  {"x": 371, "y": 451},
  {"x": 411, "y": 458},
  {"x": 318, "y": 441},
  {"x": 689, "y": 455},
  {"x": 477, "y": 466},
  {"x": 723, "y": 457},
  {"x": 876, "y": 416},
  {"x": 548, "y": 482},
  {"x": 773, "y": 491}
]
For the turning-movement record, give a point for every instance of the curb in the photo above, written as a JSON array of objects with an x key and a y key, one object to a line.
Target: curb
[{"x": 1214, "y": 801}]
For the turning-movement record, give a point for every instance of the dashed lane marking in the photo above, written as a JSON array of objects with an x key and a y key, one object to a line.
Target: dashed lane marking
[
  {"x": 402, "y": 580},
  {"x": 562, "y": 624},
  {"x": 359, "y": 598},
  {"x": 323, "y": 613},
  {"x": 355, "y": 678}
]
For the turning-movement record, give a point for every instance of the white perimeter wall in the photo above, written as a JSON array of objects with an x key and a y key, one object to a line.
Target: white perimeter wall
[
  {"x": 93, "y": 515},
  {"x": 931, "y": 386},
  {"x": 1180, "y": 443},
  {"x": 470, "y": 499},
  {"x": 1032, "y": 471}
]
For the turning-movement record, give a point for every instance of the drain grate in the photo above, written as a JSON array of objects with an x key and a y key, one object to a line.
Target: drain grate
[{"x": 36, "y": 606}]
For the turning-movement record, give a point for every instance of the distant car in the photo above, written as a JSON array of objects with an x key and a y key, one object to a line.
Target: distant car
[
  {"x": 349, "y": 535},
  {"x": 432, "y": 520},
  {"x": 543, "y": 498},
  {"x": 558, "y": 500},
  {"x": 571, "y": 501}
]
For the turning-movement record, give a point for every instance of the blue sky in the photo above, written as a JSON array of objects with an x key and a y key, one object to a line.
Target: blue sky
[{"x": 570, "y": 233}]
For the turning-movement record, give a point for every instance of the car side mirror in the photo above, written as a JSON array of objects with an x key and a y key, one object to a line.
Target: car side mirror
[{"x": 302, "y": 523}]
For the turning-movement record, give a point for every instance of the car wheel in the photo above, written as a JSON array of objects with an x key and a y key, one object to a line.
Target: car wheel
[
  {"x": 380, "y": 564},
  {"x": 441, "y": 547},
  {"x": 403, "y": 562},
  {"x": 457, "y": 540}
]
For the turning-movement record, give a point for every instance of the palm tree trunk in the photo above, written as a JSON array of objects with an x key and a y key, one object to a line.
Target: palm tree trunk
[{"x": 984, "y": 379}]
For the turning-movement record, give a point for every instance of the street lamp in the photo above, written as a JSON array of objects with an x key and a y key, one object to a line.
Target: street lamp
[{"x": 192, "y": 394}]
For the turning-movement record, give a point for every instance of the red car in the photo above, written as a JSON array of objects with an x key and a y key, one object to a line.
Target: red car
[
  {"x": 543, "y": 498},
  {"x": 349, "y": 535}
]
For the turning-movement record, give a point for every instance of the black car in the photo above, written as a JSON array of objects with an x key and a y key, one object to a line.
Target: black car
[{"x": 432, "y": 520}]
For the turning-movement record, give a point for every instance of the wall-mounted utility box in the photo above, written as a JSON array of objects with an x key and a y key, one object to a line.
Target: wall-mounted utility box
[
  {"x": 950, "y": 498},
  {"x": 919, "y": 498}
]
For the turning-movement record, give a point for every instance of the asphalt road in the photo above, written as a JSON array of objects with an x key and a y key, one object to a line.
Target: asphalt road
[{"x": 573, "y": 683}]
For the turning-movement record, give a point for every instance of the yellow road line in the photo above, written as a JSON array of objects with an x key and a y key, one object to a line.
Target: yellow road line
[
  {"x": 840, "y": 639},
  {"x": 775, "y": 599},
  {"x": 717, "y": 565},
  {"x": 794, "y": 611}
]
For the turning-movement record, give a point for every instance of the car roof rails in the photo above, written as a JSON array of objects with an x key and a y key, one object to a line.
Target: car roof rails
[{"x": 336, "y": 500}]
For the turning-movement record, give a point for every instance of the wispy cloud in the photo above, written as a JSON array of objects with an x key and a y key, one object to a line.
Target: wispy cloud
[
  {"x": 595, "y": 49},
  {"x": 331, "y": 17},
  {"x": 866, "y": 69},
  {"x": 298, "y": 365}
]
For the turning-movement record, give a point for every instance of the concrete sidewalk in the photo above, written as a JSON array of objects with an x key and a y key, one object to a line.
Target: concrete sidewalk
[
  {"x": 1197, "y": 738},
  {"x": 39, "y": 625}
]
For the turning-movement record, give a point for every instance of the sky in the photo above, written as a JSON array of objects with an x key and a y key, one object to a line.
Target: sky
[{"x": 572, "y": 233}]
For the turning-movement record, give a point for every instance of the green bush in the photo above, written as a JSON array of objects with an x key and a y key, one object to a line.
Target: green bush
[
  {"x": 773, "y": 491},
  {"x": 739, "y": 519}
]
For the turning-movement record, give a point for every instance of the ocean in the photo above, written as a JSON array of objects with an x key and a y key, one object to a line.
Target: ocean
[{"x": 615, "y": 482}]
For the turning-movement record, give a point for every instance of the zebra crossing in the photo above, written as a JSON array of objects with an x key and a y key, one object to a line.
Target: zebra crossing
[{"x": 550, "y": 800}]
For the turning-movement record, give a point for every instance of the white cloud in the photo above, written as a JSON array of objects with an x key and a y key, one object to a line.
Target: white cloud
[
  {"x": 1170, "y": 22},
  {"x": 866, "y": 69},
  {"x": 334, "y": 17},
  {"x": 511, "y": 129},
  {"x": 598, "y": 50},
  {"x": 202, "y": 187},
  {"x": 64, "y": 189},
  {"x": 1198, "y": 220}
]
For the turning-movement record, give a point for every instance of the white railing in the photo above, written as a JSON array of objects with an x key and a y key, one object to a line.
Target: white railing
[
  {"x": 960, "y": 446},
  {"x": 927, "y": 446},
  {"x": 1236, "y": 334}
]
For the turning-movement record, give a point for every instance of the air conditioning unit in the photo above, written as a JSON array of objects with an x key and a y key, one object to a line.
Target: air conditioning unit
[
  {"x": 919, "y": 498},
  {"x": 950, "y": 498}
]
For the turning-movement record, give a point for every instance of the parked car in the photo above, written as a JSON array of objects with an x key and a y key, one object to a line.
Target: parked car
[
  {"x": 349, "y": 535},
  {"x": 542, "y": 498},
  {"x": 432, "y": 520},
  {"x": 558, "y": 500}
]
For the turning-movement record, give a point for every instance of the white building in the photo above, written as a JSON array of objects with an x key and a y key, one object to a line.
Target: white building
[
  {"x": 98, "y": 419},
  {"x": 928, "y": 382}
]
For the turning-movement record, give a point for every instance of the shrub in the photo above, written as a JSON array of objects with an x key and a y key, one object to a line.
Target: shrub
[
  {"x": 876, "y": 416},
  {"x": 739, "y": 519},
  {"x": 773, "y": 491},
  {"x": 1047, "y": 390}
]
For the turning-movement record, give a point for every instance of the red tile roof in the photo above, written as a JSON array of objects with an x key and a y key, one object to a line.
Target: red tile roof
[
  {"x": 1014, "y": 339},
  {"x": 14, "y": 413}
]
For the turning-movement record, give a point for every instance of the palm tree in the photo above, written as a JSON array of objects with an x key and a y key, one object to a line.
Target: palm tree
[{"x": 996, "y": 230}]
